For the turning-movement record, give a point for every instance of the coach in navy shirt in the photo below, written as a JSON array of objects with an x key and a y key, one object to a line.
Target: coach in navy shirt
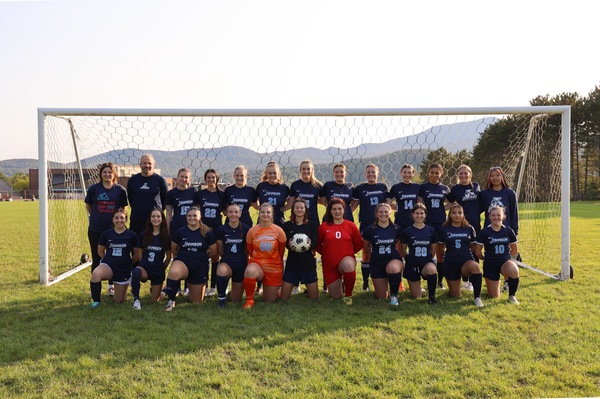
[{"x": 146, "y": 190}]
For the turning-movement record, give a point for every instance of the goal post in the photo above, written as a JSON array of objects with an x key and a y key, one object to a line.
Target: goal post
[{"x": 73, "y": 142}]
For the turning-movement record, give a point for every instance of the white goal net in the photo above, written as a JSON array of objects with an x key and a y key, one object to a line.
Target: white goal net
[{"x": 528, "y": 142}]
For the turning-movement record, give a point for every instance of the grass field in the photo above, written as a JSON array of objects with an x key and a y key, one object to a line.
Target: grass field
[{"x": 52, "y": 345}]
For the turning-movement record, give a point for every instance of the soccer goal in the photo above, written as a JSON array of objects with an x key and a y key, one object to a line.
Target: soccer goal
[{"x": 530, "y": 143}]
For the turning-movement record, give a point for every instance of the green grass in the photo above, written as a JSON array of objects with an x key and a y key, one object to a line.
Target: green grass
[{"x": 52, "y": 345}]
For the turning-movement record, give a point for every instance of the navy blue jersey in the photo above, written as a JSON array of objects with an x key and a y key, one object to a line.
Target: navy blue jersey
[
  {"x": 119, "y": 247},
  {"x": 211, "y": 203},
  {"x": 193, "y": 246},
  {"x": 369, "y": 196},
  {"x": 145, "y": 194},
  {"x": 310, "y": 193},
  {"x": 244, "y": 197},
  {"x": 458, "y": 243},
  {"x": 301, "y": 261},
  {"x": 433, "y": 196},
  {"x": 507, "y": 199},
  {"x": 383, "y": 242},
  {"x": 496, "y": 244},
  {"x": 234, "y": 243},
  {"x": 104, "y": 202},
  {"x": 406, "y": 196},
  {"x": 181, "y": 201},
  {"x": 419, "y": 243},
  {"x": 468, "y": 197},
  {"x": 343, "y": 191},
  {"x": 153, "y": 256},
  {"x": 276, "y": 195}
]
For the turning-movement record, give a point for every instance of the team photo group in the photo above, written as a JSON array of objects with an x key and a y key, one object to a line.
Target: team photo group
[{"x": 203, "y": 242}]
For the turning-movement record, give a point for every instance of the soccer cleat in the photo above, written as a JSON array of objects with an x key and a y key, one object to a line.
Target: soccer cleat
[
  {"x": 170, "y": 306},
  {"x": 137, "y": 305},
  {"x": 347, "y": 300},
  {"x": 512, "y": 299},
  {"x": 211, "y": 292},
  {"x": 295, "y": 290},
  {"x": 394, "y": 300},
  {"x": 186, "y": 292},
  {"x": 249, "y": 304},
  {"x": 401, "y": 287},
  {"x": 505, "y": 286},
  {"x": 95, "y": 305},
  {"x": 366, "y": 288},
  {"x": 441, "y": 287},
  {"x": 222, "y": 303},
  {"x": 478, "y": 302},
  {"x": 111, "y": 290},
  {"x": 467, "y": 286},
  {"x": 431, "y": 301},
  {"x": 258, "y": 291}
]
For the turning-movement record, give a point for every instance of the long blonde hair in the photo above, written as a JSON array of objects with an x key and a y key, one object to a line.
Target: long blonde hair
[{"x": 313, "y": 180}]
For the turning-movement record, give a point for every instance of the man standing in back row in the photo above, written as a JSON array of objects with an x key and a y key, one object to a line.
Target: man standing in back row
[{"x": 146, "y": 190}]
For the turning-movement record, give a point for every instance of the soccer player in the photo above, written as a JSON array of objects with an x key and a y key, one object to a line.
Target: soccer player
[
  {"x": 240, "y": 193},
  {"x": 499, "y": 245},
  {"x": 380, "y": 241},
  {"x": 191, "y": 245},
  {"x": 466, "y": 193},
  {"x": 179, "y": 199},
  {"x": 211, "y": 201},
  {"x": 497, "y": 193},
  {"x": 338, "y": 188},
  {"x": 101, "y": 202},
  {"x": 339, "y": 241},
  {"x": 368, "y": 195},
  {"x": 272, "y": 190},
  {"x": 405, "y": 194},
  {"x": 154, "y": 253},
  {"x": 265, "y": 244},
  {"x": 117, "y": 250},
  {"x": 146, "y": 190},
  {"x": 231, "y": 247},
  {"x": 419, "y": 243},
  {"x": 300, "y": 267},
  {"x": 458, "y": 237},
  {"x": 433, "y": 194},
  {"x": 307, "y": 187}
]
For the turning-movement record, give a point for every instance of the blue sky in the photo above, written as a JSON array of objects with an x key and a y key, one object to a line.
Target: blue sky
[{"x": 283, "y": 54}]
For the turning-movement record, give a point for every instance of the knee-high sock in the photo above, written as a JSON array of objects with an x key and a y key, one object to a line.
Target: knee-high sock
[
  {"x": 213, "y": 274},
  {"x": 349, "y": 281},
  {"x": 136, "y": 275},
  {"x": 172, "y": 288},
  {"x": 513, "y": 285},
  {"x": 440, "y": 272},
  {"x": 222, "y": 283},
  {"x": 394, "y": 280},
  {"x": 249, "y": 287},
  {"x": 431, "y": 285},
  {"x": 96, "y": 288},
  {"x": 366, "y": 272},
  {"x": 476, "y": 281}
]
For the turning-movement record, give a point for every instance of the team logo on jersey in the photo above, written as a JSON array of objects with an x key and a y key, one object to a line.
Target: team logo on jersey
[
  {"x": 103, "y": 197},
  {"x": 497, "y": 201},
  {"x": 145, "y": 187},
  {"x": 469, "y": 195}
]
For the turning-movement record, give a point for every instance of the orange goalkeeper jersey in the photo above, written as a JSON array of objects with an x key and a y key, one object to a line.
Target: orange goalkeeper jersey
[{"x": 266, "y": 246}]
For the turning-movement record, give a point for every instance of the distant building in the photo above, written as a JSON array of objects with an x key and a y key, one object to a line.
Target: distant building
[{"x": 5, "y": 191}]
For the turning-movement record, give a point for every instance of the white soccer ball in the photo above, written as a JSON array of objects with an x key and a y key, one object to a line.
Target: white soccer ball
[{"x": 300, "y": 243}]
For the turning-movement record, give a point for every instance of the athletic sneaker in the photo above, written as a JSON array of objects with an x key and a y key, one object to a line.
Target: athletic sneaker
[
  {"x": 348, "y": 300},
  {"x": 211, "y": 292},
  {"x": 440, "y": 286},
  {"x": 137, "y": 305},
  {"x": 95, "y": 305},
  {"x": 366, "y": 288},
  {"x": 258, "y": 291},
  {"x": 186, "y": 292},
  {"x": 222, "y": 303},
  {"x": 170, "y": 306},
  {"x": 467, "y": 286},
  {"x": 394, "y": 300},
  {"x": 325, "y": 290},
  {"x": 512, "y": 299},
  {"x": 111, "y": 290},
  {"x": 431, "y": 301},
  {"x": 295, "y": 290},
  {"x": 249, "y": 304},
  {"x": 478, "y": 302}
]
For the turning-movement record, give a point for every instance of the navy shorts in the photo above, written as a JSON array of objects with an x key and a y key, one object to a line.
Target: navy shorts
[
  {"x": 491, "y": 271},
  {"x": 415, "y": 272},
  {"x": 296, "y": 278},
  {"x": 237, "y": 270},
  {"x": 197, "y": 273},
  {"x": 452, "y": 270},
  {"x": 156, "y": 277},
  {"x": 120, "y": 275},
  {"x": 378, "y": 268}
]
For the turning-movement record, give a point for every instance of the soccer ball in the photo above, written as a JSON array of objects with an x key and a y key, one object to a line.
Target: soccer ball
[{"x": 300, "y": 243}]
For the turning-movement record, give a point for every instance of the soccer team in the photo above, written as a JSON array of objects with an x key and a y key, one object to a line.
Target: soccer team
[{"x": 191, "y": 239}]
